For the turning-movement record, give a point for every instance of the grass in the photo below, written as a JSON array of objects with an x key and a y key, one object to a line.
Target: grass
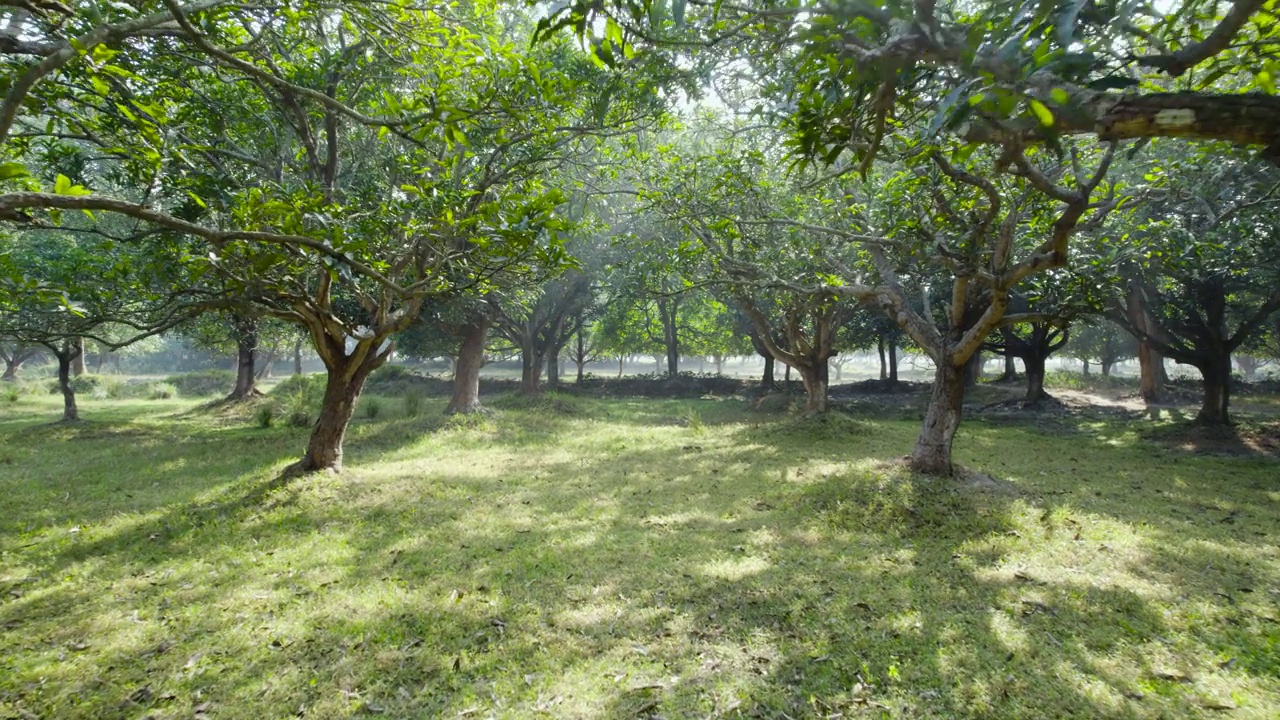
[{"x": 577, "y": 558}]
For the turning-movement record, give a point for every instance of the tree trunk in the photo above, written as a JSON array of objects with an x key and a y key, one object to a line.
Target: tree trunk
[
  {"x": 66, "y": 362},
  {"x": 1248, "y": 366},
  {"x": 267, "y": 367},
  {"x": 553, "y": 368},
  {"x": 786, "y": 378},
  {"x": 77, "y": 362},
  {"x": 1106, "y": 368},
  {"x": 297, "y": 357},
  {"x": 932, "y": 454},
  {"x": 1010, "y": 369},
  {"x": 1216, "y": 374},
  {"x": 246, "y": 357},
  {"x": 581, "y": 358},
  {"x": 98, "y": 360},
  {"x": 893, "y": 362},
  {"x": 466, "y": 372},
  {"x": 1034, "y": 364},
  {"x": 973, "y": 370},
  {"x": 1085, "y": 368},
  {"x": 1150, "y": 365},
  {"x": 341, "y": 391},
  {"x": 531, "y": 368},
  {"x": 884, "y": 363},
  {"x": 11, "y": 366},
  {"x": 816, "y": 381},
  {"x": 621, "y": 361},
  {"x": 767, "y": 382},
  {"x": 667, "y": 308},
  {"x": 719, "y": 361}
]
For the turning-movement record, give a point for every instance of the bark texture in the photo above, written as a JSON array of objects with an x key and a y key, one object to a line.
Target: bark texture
[
  {"x": 932, "y": 453},
  {"x": 246, "y": 331},
  {"x": 466, "y": 373}
]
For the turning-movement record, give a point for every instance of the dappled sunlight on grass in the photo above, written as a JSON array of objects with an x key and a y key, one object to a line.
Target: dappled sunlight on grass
[{"x": 591, "y": 559}]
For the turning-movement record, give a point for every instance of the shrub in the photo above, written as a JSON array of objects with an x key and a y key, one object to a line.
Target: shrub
[
  {"x": 412, "y": 404},
  {"x": 11, "y": 394},
  {"x": 202, "y": 383},
  {"x": 299, "y": 419},
  {"x": 372, "y": 408},
  {"x": 310, "y": 386},
  {"x": 83, "y": 383},
  {"x": 161, "y": 391},
  {"x": 266, "y": 415},
  {"x": 106, "y": 388}
]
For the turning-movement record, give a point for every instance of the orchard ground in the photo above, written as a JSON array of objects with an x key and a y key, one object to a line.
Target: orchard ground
[{"x": 578, "y": 557}]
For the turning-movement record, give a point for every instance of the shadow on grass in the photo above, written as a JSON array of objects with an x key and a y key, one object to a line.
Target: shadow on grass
[{"x": 765, "y": 566}]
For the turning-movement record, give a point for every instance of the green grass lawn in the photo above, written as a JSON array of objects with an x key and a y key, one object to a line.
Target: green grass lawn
[{"x": 625, "y": 559}]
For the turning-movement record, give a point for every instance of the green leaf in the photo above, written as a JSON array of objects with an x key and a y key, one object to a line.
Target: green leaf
[
  {"x": 61, "y": 185},
  {"x": 1042, "y": 113},
  {"x": 11, "y": 170}
]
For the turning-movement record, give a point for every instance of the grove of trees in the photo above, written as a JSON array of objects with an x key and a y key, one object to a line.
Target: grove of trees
[{"x": 592, "y": 179}]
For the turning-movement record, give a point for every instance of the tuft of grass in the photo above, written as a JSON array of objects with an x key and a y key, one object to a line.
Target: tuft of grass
[
  {"x": 693, "y": 421},
  {"x": 412, "y": 404},
  {"x": 372, "y": 407},
  {"x": 12, "y": 394},
  {"x": 600, "y": 565},
  {"x": 265, "y": 415}
]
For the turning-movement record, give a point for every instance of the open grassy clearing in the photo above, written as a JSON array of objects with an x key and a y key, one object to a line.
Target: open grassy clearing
[{"x": 627, "y": 558}]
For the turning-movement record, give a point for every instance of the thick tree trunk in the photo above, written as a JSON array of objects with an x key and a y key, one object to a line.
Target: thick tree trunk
[
  {"x": 66, "y": 364},
  {"x": 246, "y": 358},
  {"x": 1085, "y": 368},
  {"x": 342, "y": 389},
  {"x": 466, "y": 372},
  {"x": 786, "y": 378},
  {"x": 767, "y": 382},
  {"x": 531, "y": 368},
  {"x": 77, "y": 362},
  {"x": 973, "y": 370},
  {"x": 324, "y": 450},
  {"x": 297, "y": 357},
  {"x": 553, "y": 368},
  {"x": 1106, "y": 368},
  {"x": 1216, "y": 375},
  {"x": 893, "y": 362},
  {"x": 932, "y": 454},
  {"x": 816, "y": 382},
  {"x": 1151, "y": 369},
  {"x": 1035, "y": 377}
]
